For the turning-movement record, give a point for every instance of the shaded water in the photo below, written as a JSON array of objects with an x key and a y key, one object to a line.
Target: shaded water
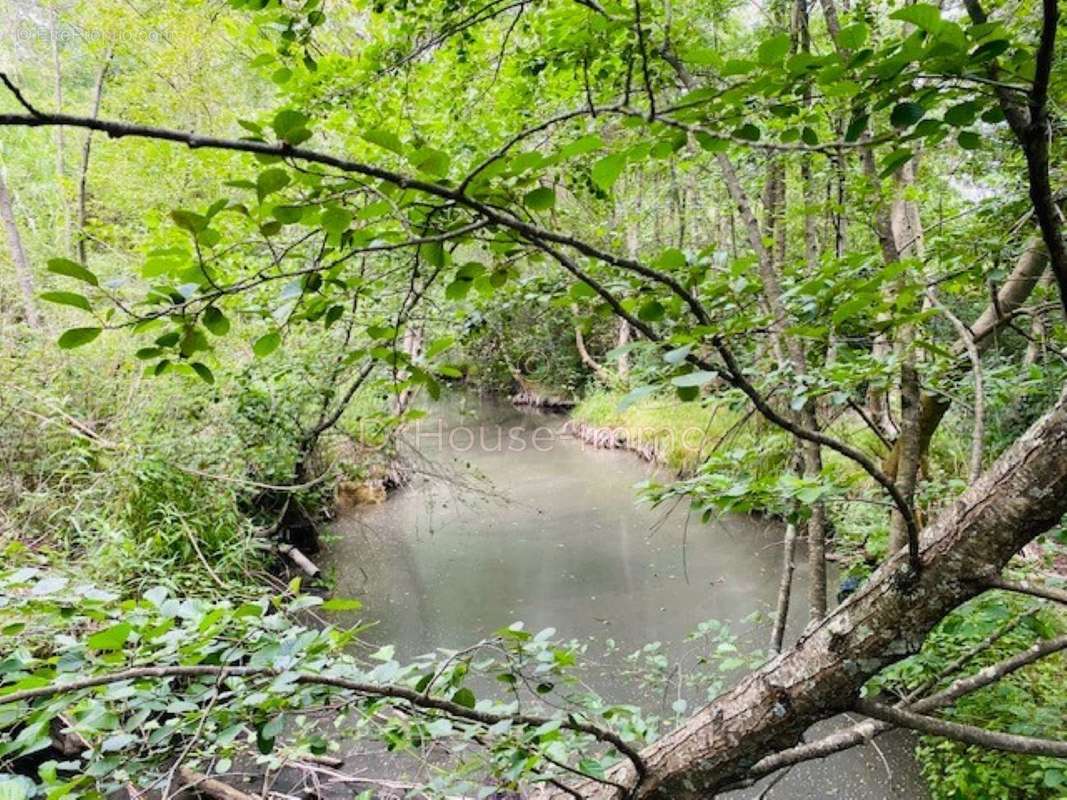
[{"x": 511, "y": 520}]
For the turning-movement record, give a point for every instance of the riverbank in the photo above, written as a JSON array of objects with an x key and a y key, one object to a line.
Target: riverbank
[{"x": 672, "y": 434}]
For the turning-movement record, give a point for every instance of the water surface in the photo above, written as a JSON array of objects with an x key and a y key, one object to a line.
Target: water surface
[{"x": 509, "y": 519}]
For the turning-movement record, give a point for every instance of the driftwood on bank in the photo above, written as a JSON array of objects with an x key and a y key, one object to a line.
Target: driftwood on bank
[{"x": 532, "y": 399}]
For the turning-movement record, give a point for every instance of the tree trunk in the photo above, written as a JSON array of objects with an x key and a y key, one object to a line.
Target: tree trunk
[
  {"x": 623, "y": 364},
  {"x": 1021, "y": 496},
  {"x": 785, "y": 588},
  {"x": 908, "y": 241},
  {"x": 792, "y": 348},
  {"x": 18, "y": 256},
  {"x": 1012, "y": 295},
  {"x": 83, "y": 177},
  {"x": 60, "y": 138}
]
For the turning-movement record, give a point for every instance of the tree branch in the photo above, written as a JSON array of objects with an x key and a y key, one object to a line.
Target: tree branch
[
  {"x": 390, "y": 691},
  {"x": 968, "y": 734},
  {"x": 1044, "y": 592}
]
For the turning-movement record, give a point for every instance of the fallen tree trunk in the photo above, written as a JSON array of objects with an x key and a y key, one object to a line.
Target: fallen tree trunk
[{"x": 1022, "y": 495}]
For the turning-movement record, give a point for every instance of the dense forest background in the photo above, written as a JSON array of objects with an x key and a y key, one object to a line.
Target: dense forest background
[{"x": 248, "y": 243}]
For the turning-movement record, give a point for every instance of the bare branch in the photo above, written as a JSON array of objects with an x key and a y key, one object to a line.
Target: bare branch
[
  {"x": 968, "y": 734},
  {"x": 22, "y": 101},
  {"x": 1024, "y": 587}
]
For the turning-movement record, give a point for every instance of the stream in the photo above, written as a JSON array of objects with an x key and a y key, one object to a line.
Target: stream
[{"x": 508, "y": 519}]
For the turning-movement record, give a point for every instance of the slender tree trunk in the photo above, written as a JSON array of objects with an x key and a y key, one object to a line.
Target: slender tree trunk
[
  {"x": 908, "y": 240},
  {"x": 793, "y": 350},
  {"x": 785, "y": 588},
  {"x": 623, "y": 363},
  {"x": 61, "y": 170},
  {"x": 624, "y": 332},
  {"x": 83, "y": 177},
  {"x": 583, "y": 352},
  {"x": 411, "y": 344},
  {"x": 18, "y": 256}
]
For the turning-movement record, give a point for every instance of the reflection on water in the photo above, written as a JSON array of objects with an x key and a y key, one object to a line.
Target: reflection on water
[{"x": 511, "y": 520}]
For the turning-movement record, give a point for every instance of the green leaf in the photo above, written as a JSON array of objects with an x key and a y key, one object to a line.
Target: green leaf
[
  {"x": 433, "y": 253},
  {"x": 962, "y": 115},
  {"x": 438, "y": 346},
  {"x": 671, "y": 258},
  {"x": 990, "y": 50},
  {"x": 921, "y": 15},
  {"x": 288, "y": 215},
  {"x": 851, "y": 307},
  {"x": 112, "y": 638},
  {"x": 895, "y": 160},
  {"x": 290, "y": 125},
  {"x": 215, "y": 321},
  {"x": 76, "y": 337},
  {"x": 607, "y": 170},
  {"x": 189, "y": 220},
  {"x": 266, "y": 344},
  {"x": 712, "y": 144},
  {"x": 72, "y": 269},
  {"x": 698, "y": 378},
  {"x": 581, "y": 291},
  {"x": 906, "y": 114},
  {"x": 856, "y": 126},
  {"x": 384, "y": 138},
  {"x": 772, "y": 51},
  {"x": 579, "y": 147},
  {"x": 464, "y": 697},
  {"x": 706, "y": 56},
  {"x": 651, "y": 311},
  {"x": 341, "y": 604},
  {"x": 202, "y": 370},
  {"x": 854, "y": 36},
  {"x": 432, "y": 162},
  {"x": 969, "y": 140},
  {"x": 748, "y": 132},
  {"x": 687, "y": 394},
  {"x": 336, "y": 220},
  {"x": 270, "y": 181},
  {"x": 67, "y": 299},
  {"x": 540, "y": 199},
  {"x": 458, "y": 289}
]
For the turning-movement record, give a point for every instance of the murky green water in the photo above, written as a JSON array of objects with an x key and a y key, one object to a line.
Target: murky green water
[{"x": 508, "y": 519}]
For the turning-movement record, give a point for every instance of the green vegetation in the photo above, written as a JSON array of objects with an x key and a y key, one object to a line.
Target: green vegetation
[{"x": 680, "y": 434}]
